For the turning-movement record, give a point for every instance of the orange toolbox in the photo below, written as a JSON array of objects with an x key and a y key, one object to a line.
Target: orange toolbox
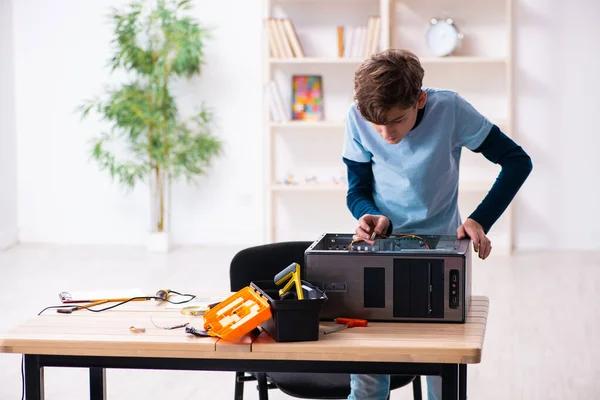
[{"x": 237, "y": 315}]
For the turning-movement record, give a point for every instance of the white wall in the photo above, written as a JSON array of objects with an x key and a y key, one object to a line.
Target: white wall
[
  {"x": 8, "y": 156},
  {"x": 60, "y": 52},
  {"x": 557, "y": 108}
]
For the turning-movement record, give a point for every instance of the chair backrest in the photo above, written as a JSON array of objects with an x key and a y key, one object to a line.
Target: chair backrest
[{"x": 263, "y": 262}]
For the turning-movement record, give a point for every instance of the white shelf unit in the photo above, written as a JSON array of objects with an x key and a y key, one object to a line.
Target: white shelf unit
[
  {"x": 481, "y": 71},
  {"x": 302, "y": 211}
]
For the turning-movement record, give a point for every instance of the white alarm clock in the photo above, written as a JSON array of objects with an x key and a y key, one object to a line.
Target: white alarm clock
[{"x": 443, "y": 37}]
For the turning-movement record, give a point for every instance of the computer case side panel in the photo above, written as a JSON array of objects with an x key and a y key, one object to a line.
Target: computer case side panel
[{"x": 468, "y": 279}]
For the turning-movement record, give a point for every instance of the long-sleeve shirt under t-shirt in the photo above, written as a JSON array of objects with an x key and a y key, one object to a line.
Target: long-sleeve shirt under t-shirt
[{"x": 415, "y": 182}]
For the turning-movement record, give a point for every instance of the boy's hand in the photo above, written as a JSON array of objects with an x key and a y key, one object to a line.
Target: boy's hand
[
  {"x": 368, "y": 223},
  {"x": 481, "y": 244}
]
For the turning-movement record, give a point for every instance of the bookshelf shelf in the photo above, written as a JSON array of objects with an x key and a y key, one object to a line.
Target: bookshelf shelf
[
  {"x": 316, "y": 187},
  {"x": 316, "y": 60},
  {"x": 320, "y": 1},
  {"x": 356, "y": 61},
  {"x": 308, "y": 125},
  {"x": 320, "y": 38},
  {"x": 463, "y": 60}
]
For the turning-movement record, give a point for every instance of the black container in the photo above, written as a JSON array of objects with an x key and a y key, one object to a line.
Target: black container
[{"x": 292, "y": 320}]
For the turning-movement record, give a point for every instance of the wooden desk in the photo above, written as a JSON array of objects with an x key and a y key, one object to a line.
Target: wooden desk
[{"x": 103, "y": 340}]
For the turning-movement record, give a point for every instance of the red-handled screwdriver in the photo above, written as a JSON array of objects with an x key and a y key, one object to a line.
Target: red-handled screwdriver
[{"x": 347, "y": 323}]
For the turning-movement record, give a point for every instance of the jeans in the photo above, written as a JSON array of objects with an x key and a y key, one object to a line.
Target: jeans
[{"x": 377, "y": 387}]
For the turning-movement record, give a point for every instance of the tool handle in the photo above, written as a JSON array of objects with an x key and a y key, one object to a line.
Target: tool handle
[
  {"x": 282, "y": 275},
  {"x": 351, "y": 322}
]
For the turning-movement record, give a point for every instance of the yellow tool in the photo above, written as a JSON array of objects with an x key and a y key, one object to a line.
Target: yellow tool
[{"x": 292, "y": 272}]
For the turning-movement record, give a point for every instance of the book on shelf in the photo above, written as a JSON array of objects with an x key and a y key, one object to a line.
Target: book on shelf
[
  {"x": 283, "y": 39},
  {"x": 276, "y": 103},
  {"x": 352, "y": 41},
  {"x": 306, "y": 100},
  {"x": 359, "y": 41}
]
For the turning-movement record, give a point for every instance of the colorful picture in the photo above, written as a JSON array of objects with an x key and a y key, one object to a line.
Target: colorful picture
[{"x": 307, "y": 98}]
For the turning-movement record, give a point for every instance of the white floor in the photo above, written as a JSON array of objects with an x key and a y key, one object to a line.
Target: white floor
[{"x": 542, "y": 342}]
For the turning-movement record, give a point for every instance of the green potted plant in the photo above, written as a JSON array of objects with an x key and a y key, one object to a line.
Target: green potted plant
[{"x": 154, "y": 43}]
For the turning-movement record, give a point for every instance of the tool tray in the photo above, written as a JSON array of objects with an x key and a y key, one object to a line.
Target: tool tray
[
  {"x": 292, "y": 320},
  {"x": 237, "y": 315}
]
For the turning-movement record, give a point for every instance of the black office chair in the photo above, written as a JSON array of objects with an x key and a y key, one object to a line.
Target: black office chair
[{"x": 263, "y": 263}]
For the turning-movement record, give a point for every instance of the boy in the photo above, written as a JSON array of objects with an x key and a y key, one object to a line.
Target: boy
[{"x": 402, "y": 151}]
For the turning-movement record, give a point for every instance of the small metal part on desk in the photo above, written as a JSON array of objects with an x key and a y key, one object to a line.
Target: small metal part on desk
[
  {"x": 347, "y": 323},
  {"x": 68, "y": 310},
  {"x": 162, "y": 294},
  {"x": 339, "y": 328}
]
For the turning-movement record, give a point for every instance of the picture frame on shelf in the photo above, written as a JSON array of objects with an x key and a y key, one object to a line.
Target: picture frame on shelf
[{"x": 307, "y": 98}]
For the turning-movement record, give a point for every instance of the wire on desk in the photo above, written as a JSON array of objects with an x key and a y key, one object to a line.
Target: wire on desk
[
  {"x": 76, "y": 307},
  {"x": 169, "y": 327},
  {"x": 181, "y": 294}
]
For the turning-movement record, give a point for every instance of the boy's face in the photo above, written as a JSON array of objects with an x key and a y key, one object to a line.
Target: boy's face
[{"x": 400, "y": 121}]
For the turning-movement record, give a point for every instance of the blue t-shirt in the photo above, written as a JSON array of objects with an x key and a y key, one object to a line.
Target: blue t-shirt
[{"x": 415, "y": 182}]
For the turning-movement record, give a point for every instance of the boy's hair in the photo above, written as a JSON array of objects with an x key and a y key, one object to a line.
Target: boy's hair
[{"x": 387, "y": 79}]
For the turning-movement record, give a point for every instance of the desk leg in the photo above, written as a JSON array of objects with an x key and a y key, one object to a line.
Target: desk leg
[
  {"x": 462, "y": 381},
  {"x": 449, "y": 381},
  {"x": 97, "y": 384},
  {"x": 34, "y": 378}
]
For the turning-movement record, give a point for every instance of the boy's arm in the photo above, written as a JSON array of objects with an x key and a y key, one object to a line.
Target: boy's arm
[
  {"x": 357, "y": 158},
  {"x": 359, "y": 198},
  {"x": 516, "y": 166}
]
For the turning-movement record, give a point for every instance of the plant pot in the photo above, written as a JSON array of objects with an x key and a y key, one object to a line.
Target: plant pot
[{"x": 159, "y": 242}]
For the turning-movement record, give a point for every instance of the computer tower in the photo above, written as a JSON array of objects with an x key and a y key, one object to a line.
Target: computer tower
[{"x": 416, "y": 278}]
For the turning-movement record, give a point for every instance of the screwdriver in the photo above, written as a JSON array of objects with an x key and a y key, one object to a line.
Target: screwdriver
[{"x": 347, "y": 323}]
